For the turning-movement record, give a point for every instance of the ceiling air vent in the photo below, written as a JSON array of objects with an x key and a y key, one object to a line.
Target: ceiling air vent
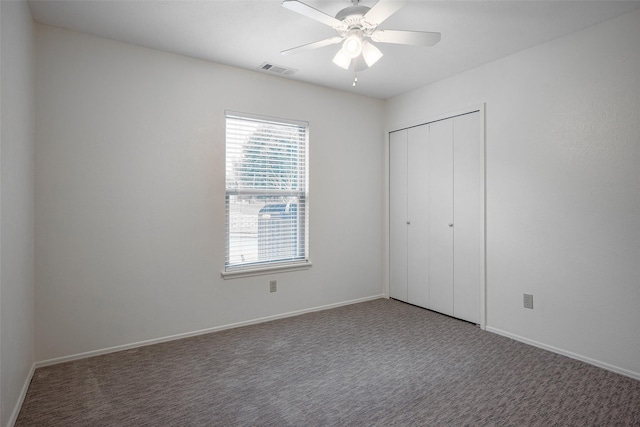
[{"x": 276, "y": 69}]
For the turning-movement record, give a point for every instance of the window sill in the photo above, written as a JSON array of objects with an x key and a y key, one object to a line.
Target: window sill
[{"x": 261, "y": 271}]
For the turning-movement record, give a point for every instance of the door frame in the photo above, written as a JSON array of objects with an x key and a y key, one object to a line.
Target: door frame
[{"x": 480, "y": 109}]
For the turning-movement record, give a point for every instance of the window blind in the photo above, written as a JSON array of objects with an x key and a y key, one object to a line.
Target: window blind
[{"x": 266, "y": 191}]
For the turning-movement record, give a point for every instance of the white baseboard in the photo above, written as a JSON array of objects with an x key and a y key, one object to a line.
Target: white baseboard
[
  {"x": 607, "y": 366},
  {"x": 108, "y": 350},
  {"x": 23, "y": 393}
]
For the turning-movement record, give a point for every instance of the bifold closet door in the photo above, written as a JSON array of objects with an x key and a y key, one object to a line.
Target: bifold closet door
[
  {"x": 408, "y": 215},
  {"x": 398, "y": 215},
  {"x": 468, "y": 214},
  {"x": 418, "y": 216},
  {"x": 436, "y": 216},
  {"x": 441, "y": 226}
]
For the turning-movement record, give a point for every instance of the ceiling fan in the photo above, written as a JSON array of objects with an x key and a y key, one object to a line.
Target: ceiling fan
[{"x": 356, "y": 25}]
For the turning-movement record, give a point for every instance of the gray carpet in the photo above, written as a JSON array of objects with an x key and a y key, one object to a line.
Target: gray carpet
[{"x": 376, "y": 363}]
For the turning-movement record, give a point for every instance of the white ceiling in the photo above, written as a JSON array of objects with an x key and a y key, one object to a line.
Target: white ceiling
[{"x": 246, "y": 34}]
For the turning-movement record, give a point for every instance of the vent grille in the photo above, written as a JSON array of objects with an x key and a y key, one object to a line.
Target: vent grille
[{"x": 276, "y": 69}]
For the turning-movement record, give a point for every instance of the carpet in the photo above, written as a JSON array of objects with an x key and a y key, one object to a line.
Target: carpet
[{"x": 377, "y": 363}]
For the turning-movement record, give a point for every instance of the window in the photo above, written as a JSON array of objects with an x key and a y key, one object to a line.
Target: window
[{"x": 266, "y": 194}]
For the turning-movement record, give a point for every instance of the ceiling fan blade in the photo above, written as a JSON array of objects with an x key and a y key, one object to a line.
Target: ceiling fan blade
[
  {"x": 416, "y": 38},
  {"x": 382, "y": 10},
  {"x": 311, "y": 46},
  {"x": 310, "y": 12}
]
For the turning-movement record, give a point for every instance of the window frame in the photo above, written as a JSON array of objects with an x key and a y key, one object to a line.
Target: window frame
[{"x": 302, "y": 210}]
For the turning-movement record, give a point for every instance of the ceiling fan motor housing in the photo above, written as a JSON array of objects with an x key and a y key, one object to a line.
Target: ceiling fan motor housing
[
  {"x": 352, "y": 17},
  {"x": 358, "y": 11}
]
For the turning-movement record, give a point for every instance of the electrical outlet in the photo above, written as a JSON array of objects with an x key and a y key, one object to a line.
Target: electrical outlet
[
  {"x": 273, "y": 286},
  {"x": 528, "y": 301}
]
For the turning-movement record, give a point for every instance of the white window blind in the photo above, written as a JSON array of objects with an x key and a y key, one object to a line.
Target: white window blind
[{"x": 266, "y": 192}]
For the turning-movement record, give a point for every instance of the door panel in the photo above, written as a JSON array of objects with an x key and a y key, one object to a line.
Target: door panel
[
  {"x": 440, "y": 165},
  {"x": 398, "y": 215},
  {"x": 468, "y": 215},
  {"x": 418, "y": 216}
]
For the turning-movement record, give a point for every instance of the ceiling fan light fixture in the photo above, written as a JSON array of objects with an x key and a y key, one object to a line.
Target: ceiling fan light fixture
[
  {"x": 370, "y": 53},
  {"x": 342, "y": 60},
  {"x": 352, "y": 45}
]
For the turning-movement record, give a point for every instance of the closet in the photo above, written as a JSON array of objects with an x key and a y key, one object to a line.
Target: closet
[{"x": 436, "y": 215}]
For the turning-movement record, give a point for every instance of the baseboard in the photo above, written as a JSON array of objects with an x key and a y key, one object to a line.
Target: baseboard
[
  {"x": 108, "y": 350},
  {"x": 599, "y": 364},
  {"x": 23, "y": 393}
]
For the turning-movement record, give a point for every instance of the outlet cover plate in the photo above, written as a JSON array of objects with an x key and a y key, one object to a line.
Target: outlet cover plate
[
  {"x": 528, "y": 301},
  {"x": 273, "y": 286}
]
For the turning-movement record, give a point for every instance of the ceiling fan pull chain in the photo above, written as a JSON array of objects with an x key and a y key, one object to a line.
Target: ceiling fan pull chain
[{"x": 355, "y": 78}]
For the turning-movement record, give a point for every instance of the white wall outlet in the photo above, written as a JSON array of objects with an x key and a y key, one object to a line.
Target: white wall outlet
[
  {"x": 273, "y": 286},
  {"x": 528, "y": 301}
]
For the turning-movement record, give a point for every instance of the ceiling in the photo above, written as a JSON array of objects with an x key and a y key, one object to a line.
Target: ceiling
[{"x": 246, "y": 34}]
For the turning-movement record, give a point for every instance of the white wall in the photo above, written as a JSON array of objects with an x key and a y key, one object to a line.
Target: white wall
[
  {"x": 17, "y": 205},
  {"x": 130, "y": 194},
  {"x": 563, "y": 188}
]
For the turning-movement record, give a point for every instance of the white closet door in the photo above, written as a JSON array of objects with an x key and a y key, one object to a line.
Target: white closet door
[
  {"x": 398, "y": 215},
  {"x": 418, "y": 216},
  {"x": 468, "y": 216},
  {"x": 440, "y": 165}
]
